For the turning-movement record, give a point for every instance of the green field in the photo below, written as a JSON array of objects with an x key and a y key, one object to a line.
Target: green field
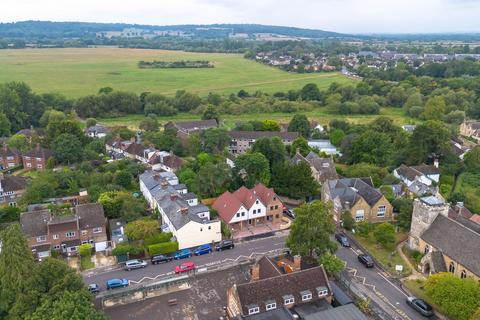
[{"x": 80, "y": 71}]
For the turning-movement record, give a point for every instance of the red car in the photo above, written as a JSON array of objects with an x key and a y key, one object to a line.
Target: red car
[{"x": 185, "y": 267}]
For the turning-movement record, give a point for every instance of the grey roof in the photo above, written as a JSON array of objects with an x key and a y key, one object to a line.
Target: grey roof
[
  {"x": 352, "y": 189},
  {"x": 281, "y": 313},
  {"x": 98, "y": 128},
  {"x": 432, "y": 201},
  {"x": 325, "y": 166},
  {"x": 456, "y": 241},
  {"x": 13, "y": 183},
  {"x": 90, "y": 215},
  {"x": 116, "y": 224},
  {"x": 254, "y": 135},
  {"x": 180, "y": 186},
  {"x": 189, "y": 196},
  {"x": 438, "y": 262},
  {"x": 346, "y": 312},
  {"x": 34, "y": 223},
  {"x": 421, "y": 189}
]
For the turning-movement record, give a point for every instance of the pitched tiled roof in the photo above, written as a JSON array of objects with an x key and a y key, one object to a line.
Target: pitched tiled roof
[
  {"x": 245, "y": 196},
  {"x": 173, "y": 161},
  {"x": 91, "y": 215},
  {"x": 324, "y": 166},
  {"x": 352, "y": 189},
  {"x": 254, "y": 135},
  {"x": 456, "y": 241},
  {"x": 227, "y": 205},
  {"x": 136, "y": 149},
  {"x": 266, "y": 194},
  {"x": 426, "y": 169},
  {"x": 193, "y": 125},
  {"x": 6, "y": 151},
  {"x": 13, "y": 183},
  {"x": 34, "y": 223},
  {"x": 39, "y": 152}
]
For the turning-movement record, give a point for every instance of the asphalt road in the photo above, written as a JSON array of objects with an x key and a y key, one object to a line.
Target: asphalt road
[{"x": 372, "y": 278}]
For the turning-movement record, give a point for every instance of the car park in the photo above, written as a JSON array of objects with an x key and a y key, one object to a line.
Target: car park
[
  {"x": 117, "y": 283},
  {"x": 185, "y": 267},
  {"x": 135, "y": 264},
  {"x": 366, "y": 260},
  {"x": 420, "y": 306},
  {"x": 160, "y": 258},
  {"x": 93, "y": 288},
  {"x": 224, "y": 245},
  {"x": 340, "y": 237},
  {"x": 182, "y": 254},
  {"x": 203, "y": 249}
]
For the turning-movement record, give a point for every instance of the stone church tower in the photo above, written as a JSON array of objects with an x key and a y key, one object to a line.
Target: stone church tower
[{"x": 425, "y": 210}]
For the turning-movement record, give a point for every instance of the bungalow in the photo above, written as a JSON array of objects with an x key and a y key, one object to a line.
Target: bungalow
[{"x": 96, "y": 131}]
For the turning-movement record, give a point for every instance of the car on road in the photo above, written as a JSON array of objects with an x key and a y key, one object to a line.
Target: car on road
[
  {"x": 340, "y": 237},
  {"x": 185, "y": 267},
  {"x": 366, "y": 260},
  {"x": 203, "y": 249},
  {"x": 160, "y": 258},
  {"x": 93, "y": 288},
  {"x": 289, "y": 213},
  {"x": 135, "y": 264},
  {"x": 224, "y": 245},
  {"x": 182, "y": 254},
  {"x": 420, "y": 306},
  {"x": 117, "y": 283}
]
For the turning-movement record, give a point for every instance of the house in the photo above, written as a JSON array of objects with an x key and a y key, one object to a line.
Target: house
[
  {"x": 458, "y": 149},
  {"x": 358, "y": 196},
  {"x": 277, "y": 284},
  {"x": 166, "y": 161},
  {"x": 420, "y": 180},
  {"x": 37, "y": 158},
  {"x": 471, "y": 129},
  {"x": 323, "y": 169},
  {"x": 45, "y": 232},
  {"x": 9, "y": 157},
  {"x": 249, "y": 207},
  {"x": 324, "y": 146},
  {"x": 117, "y": 231},
  {"x": 139, "y": 152},
  {"x": 242, "y": 141},
  {"x": 30, "y": 133},
  {"x": 11, "y": 189},
  {"x": 184, "y": 129},
  {"x": 96, "y": 131},
  {"x": 409, "y": 128},
  {"x": 180, "y": 211},
  {"x": 448, "y": 240}
]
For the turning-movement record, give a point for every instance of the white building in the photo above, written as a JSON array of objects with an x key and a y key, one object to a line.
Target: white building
[{"x": 420, "y": 180}]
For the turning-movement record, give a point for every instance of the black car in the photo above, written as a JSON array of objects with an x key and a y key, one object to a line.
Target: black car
[
  {"x": 224, "y": 245},
  {"x": 366, "y": 260},
  {"x": 421, "y": 306},
  {"x": 93, "y": 288},
  {"x": 340, "y": 237},
  {"x": 289, "y": 213},
  {"x": 160, "y": 258}
]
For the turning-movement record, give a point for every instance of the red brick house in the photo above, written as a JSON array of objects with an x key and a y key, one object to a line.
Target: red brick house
[
  {"x": 10, "y": 157},
  {"x": 37, "y": 158}
]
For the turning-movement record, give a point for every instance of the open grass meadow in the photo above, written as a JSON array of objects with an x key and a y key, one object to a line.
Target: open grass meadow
[{"x": 75, "y": 72}]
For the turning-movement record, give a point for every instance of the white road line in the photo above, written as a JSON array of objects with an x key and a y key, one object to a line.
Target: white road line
[{"x": 392, "y": 284}]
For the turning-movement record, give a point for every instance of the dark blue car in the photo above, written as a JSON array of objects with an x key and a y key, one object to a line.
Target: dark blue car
[
  {"x": 117, "y": 283},
  {"x": 203, "y": 249},
  {"x": 182, "y": 254}
]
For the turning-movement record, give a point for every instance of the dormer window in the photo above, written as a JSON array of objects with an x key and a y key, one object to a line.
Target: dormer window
[
  {"x": 322, "y": 291},
  {"x": 270, "y": 305},
  {"x": 306, "y": 295},
  {"x": 256, "y": 202},
  {"x": 288, "y": 300},
  {"x": 253, "y": 309}
]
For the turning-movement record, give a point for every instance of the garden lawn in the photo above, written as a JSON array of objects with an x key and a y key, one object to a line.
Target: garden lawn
[
  {"x": 86, "y": 263},
  {"x": 469, "y": 185}
]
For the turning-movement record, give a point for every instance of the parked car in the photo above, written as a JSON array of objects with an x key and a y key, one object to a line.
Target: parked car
[
  {"x": 93, "y": 288},
  {"x": 203, "y": 249},
  {"x": 342, "y": 239},
  {"x": 421, "y": 306},
  {"x": 135, "y": 264},
  {"x": 225, "y": 244},
  {"x": 185, "y": 267},
  {"x": 182, "y": 254},
  {"x": 289, "y": 213},
  {"x": 160, "y": 258},
  {"x": 117, "y": 283},
  {"x": 366, "y": 260}
]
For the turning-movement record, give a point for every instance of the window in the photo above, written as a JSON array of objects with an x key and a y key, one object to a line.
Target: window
[
  {"x": 427, "y": 249},
  {"x": 276, "y": 207},
  {"x": 256, "y": 202},
  {"x": 322, "y": 293},
  {"x": 201, "y": 229},
  {"x": 39, "y": 166},
  {"x": 57, "y": 247},
  {"x": 253, "y": 310},
  {"x": 360, "y": 215},
  {"x": 97, "y": 230},
  {"x": 463, "y": 275},
  {"x": 238, "y": 214},
  {"x": 381, "y": 211},
  {"x": 289, "y": 301},
  {"x": 84, "y": 232},
  {"x": 209, "y": 228},
  {"x": 271, "y": 207},
  {"x": 84, "y": 241},
  {"x": 41, "y": 238},
  {"x": 55, "y": 236},
  {"x": 29, "y": 165},
  {"x": 254, "y": 211},
  {"x": 451, "y": 267},
  {"x": 9, "y": 158},
  {"x": 271, "y": 306},
  {"x": 243, "y": 214},
  {"x": 306, "y": 296},
  {"x": 70, "y": 234}
]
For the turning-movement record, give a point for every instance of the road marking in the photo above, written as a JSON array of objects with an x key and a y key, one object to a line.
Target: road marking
[{"x": 392, "y": 284}]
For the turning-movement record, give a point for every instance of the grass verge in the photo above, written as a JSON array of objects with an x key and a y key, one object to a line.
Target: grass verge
[{"x": 86, "y": 262}]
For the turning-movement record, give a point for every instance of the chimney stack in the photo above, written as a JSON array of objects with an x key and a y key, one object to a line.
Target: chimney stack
[
  {"x": 184, "y": 210},
  {"x": 164, "y": 184},
  {"x": 173, "y": 196},
  {"x": 297, "y": 262},
  {"x": 255, "y": 272}
]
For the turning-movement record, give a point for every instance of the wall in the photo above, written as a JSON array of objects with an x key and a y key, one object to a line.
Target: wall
[{"x": 190, "y": 236}]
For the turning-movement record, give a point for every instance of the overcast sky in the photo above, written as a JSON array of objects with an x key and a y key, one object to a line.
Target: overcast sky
[{"x": 348, "y": 16}]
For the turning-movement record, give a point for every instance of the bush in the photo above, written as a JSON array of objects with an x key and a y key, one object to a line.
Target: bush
[
  {"x": 158, "y": 238},
  {"x": 348, "y": 223},
  {"x": 364, "y": 228},
  {"x": 85, "y": 250},
  {"x": 123, "y": 249},
  {"x": 385, "y": 234},
  {"x": 225, "y": 230},
  {"x": 162, "y": 248}
]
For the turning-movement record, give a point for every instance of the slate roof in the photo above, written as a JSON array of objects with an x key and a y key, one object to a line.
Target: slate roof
[
  {"x": 31, "y": 132},
  {"x": 173, "y": 161},
  {"x": 456, "y": 241},
  {"x": 91, "y": 215},
  {"x": 281, "y": 313},
  {"x": 346, "y": 312},
  {"x": 193, "y": 125},
  {"x": 34, "y": 223},
  {"x": 98, "y": 128},
  {"x": 427, "y": 169},
  {"x": 254, "y": 135},
  {"x": 438, "y": 262},
  {"x": 352, "y": 189},
  {"x": 13, "y": 183},
  {"x": 137, "y": 149},
  {"x": 324, "y": 166}
]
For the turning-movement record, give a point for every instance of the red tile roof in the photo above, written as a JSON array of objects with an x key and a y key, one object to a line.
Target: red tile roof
[{"x": 227, "y": 206}]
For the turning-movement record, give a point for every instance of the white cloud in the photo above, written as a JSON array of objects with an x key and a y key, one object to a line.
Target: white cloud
[{"x": 349, "y": 16}]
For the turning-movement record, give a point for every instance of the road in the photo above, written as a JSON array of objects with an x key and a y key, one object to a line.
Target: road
[{"x": 373, "y": 278}]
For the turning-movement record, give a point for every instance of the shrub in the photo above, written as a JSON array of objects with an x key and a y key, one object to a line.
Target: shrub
[
  {"x": 123, "y": 249},
  {"x": 158, "y": 238},
  {"x": 348, "y": 222},
  {"x": 385, "y": 234},
  {"x": 85, "y": 250},
  {"x": 162, "y": 248},
  {"x": 364, "y": 228}
]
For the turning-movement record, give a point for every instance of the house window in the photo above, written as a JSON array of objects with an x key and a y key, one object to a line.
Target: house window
[
  {"x": 271, "y": 207},
  {"x": 29, "y": 165},
  {"x": 451, "y": 267},
  {"x": 463, "y": 275},
  {"x": 55, "y": 236},
  {"x": 70, "y": 234},
  {"x": 238, "y": 215},
  {"x": 381, "y": 211},
  {"x": 306, "y": 296},
  {"x": 322, "y": 293},
  {"x": 253, "y": 310},
  {"x": 84, "y": 232},
  {"x": 276, "y": 207},
  {"x": 57, "y": 247},
  {"x": 97, "y": 230},
  {"x": 256, "y": 202},
  {"x": 243, "y": 214},
  {"x": 360, "y": 215},
  {"x": 289, "y": 301},
  {"x": 209, "y": 228},
  {"x": 39, "y": 166},
  {"x": 271, "y": 306},
  {"x": 201, "y": 229},
  {"x": 9, "y": 158},
  {"x": 41, "y": 238},
  {"x": 427, "y": 249},
  {"x": 254, "y": 211},
  {"x": 84, "y": 241}
]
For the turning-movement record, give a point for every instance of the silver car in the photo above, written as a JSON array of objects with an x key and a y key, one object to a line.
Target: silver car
[{"x": 135, "y": 264}]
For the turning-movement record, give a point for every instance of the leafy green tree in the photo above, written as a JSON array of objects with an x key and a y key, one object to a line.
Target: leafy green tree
[
  {"x": 472, "y": 160},
  {"x": 185, "y": 101},
  {"x": 372, "y": 147},
  {"x": 458, "y": 298},
  {"x": 332, "y": 264},
  {"x": 430, "y": 137},
  {"x": 348, "y": 223},
  {"x": 415, "y": 99},
  {"x": 121, "y": 205},
  {"x": 90, "y": 122},
  {"x": 336, "y": 137},
  {"x": 9, "y": 214},
  {"x": 149, "y": 124},
  {"x": 213, "y": 179},
  {"x": 300, "y": 144},
  {"x": 85, "y": 250},
  {"x": 397, "y": 96},
  {"x": 42, "y": 187},
  {"x": 434, "y": 108},
  {"x": 294, "y": 180},
  {"x": 19, "y": 141},
  {"x": 123, "y": 178},
  {"x": 251, "y": 168},
  {"x": 141, "y": 229},
  {"x": 214, "y": 99},
  {"x": 272, "y": 148},
  {"x": 385, "y": 234},
  {"x": 311, "y": 230},
  {"x": 310, "y": 92},
  {"x": 388, "y": 193},
  {"x": 67, "y": 148},
  {"x": 300, "y": 124},
  {"x": 56, "y": 128},
  {"x": 404, "y": 207},
  {"x": 270, "y": 125},
  {"x": 364, "y": 228},
  {"x": 385, "y": 125},
  {"x": 362, "y": 169},
  {"x": 215, "y": 140},
  {"x": 211, "y": 113},
  {"x": 16, "y": 265},
  {"x": 5, "y": 125}
]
